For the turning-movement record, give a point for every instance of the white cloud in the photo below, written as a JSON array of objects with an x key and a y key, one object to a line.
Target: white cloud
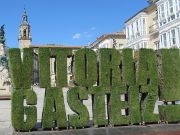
[
  {"x": 93, "y": 28},
  {"x": 85, "y": 34},
  {"x": 76, "y": 36},
  {"x": 88, "y": 35}
]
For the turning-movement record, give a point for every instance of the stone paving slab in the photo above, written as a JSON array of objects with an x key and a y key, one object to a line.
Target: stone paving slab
[
  {"x": 6, "y": 131},
  {"x": 170, "y": 129}
]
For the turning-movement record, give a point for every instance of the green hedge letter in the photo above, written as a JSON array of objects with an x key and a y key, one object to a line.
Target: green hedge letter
[
  {"x": 54, "y": 110},
  {"x": 117, "y": 105},
  {"x": 134, "y": 104},
  {"x": 75, "y": 97},
  {"x": 128, "y": 71},
  {"x": 19, "y": 122},
  {"x": 99, "y": 111},
  {"x": 44, "y": 67},
  {"x": 61, "y": 55},
  {"x": 170, "y": 90},
  {"x": 23, "y": 117},
  {"x": 148, "y": 81},
  {"x": 85, "y": 67},
  {"x": 21, "y": 69},
  {"x": 110, "y": 71}
]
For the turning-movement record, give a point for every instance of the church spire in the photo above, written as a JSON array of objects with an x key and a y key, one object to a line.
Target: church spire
[
  {"x": 25, "y": 17},
  {"x": 24, "y": 35}
]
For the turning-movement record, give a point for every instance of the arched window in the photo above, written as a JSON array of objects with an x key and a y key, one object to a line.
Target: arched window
[{"x": 24, "y": 33}]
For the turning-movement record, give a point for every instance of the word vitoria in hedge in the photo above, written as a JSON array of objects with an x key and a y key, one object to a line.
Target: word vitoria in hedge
[{"x": 130, "y": 81}]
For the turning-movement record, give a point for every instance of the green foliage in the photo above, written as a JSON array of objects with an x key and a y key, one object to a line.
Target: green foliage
[
  {"x": 85, "y": 67},
  {"x": 99, "y": 112},
  {"x": 170, "y": 113},
  {"x": 76, "y": 96},
  {"x": 116, "y": 117},
  {"x": 128, "y": 73},
  {"x": 21, "y": 76},
  {"x": 54, "y": 110},
  {"x": 110, "y": 72},
  {"x": 148, "y": 104},
  {"x": 148, "y": 81},
  {"x": 44, "y": 67},
  {"x": 19, "y": 110},
  {"x": 61, "y": 55},
  {"x": 134, "y": 104},
  {"x": 117, "y": 75},
  {"x": 148, "y": 73},
  {"x": 128, "y": 68},
  {"x": 170, "y": 74},
  {"x": 21, "y": 71}
]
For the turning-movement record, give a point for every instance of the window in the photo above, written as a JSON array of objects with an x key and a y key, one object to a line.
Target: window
[
  {"x": 132, "y": 31},
  {"x": 157, "y": 45},
  {"x": 159, "y": 13},
  {"x": 138, "y": 46},
  {"x": 173, "y": 37},
  {"x": 128, "y": 32},
  {"x": 179, "y": 32},
  {"x": 105, "y": 45},
  {"x": 162, "y": 12},
  {"x": 24, "y": 33},
  {"x": 144, "y": 26},
  {"x": 145, "y": 45},
  {"x": 171, "y": 9},
  {"x": 179, "y": 35},
  {"x": 137, "y": 28},
  {"x": 164, "y": 40},
  {"x": 177, "y": 5}
]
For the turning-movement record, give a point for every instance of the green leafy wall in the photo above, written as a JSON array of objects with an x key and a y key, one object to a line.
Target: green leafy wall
[{"x": 143, "y": 77}]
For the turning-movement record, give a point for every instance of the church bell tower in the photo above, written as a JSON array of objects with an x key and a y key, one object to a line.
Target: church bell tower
[{"x": 24, "y": 35}]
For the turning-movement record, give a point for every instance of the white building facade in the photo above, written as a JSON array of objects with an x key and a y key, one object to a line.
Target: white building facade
[
  {"x": 169, "y": 23},
  {"x": 141, "y": 29},
  {"x": 136, "y": 32},
  {"x": 156, "y": 27},
  {"x": 113, "y": 40}
]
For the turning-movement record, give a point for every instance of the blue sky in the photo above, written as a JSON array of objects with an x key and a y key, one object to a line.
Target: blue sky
[{"x": 68, "y": 22}]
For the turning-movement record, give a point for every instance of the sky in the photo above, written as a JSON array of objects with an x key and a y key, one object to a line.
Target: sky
[{"x": 66, "y": 22}]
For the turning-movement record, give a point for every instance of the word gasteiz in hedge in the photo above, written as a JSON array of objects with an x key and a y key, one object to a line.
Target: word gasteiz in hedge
[{"x": 144, "y": 77}]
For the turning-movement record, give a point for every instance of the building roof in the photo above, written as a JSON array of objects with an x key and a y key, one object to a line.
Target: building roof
[
  {"x": 152, "y": 1},
  {"x": 54, "y": 46},
  {"x": 119, "y": 35},
  {"x": 145, "y": 10}
]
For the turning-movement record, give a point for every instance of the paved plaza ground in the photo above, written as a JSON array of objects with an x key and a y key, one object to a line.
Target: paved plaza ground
[
  {"x": 6, "y": 127},
  {"x": 134, "y": 130}
]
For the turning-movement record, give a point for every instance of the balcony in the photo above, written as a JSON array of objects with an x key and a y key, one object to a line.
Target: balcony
[{"x": 154, "y": 28}]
